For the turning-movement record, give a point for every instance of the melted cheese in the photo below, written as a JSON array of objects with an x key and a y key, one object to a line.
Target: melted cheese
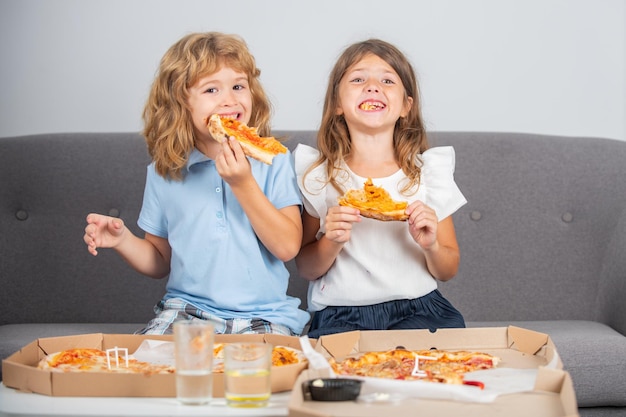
[{"x": 373, "y": 198}]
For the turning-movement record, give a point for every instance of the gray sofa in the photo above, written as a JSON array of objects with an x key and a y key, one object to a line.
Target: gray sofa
[{"x": 543, "y": 243}]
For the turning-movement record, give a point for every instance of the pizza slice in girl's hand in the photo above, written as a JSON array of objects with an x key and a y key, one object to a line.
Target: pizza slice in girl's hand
[
  {"x": 263, "y": 149},
  {"x": 374, "y": 202}
]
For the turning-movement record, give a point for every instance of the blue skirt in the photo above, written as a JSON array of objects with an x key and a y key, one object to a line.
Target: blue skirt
[{"x": 431, "y": 311}]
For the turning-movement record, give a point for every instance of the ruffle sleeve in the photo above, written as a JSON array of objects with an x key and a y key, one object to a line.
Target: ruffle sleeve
[
  {"x": 442, "y": 192},
  {"x": 312, "y": 186}
]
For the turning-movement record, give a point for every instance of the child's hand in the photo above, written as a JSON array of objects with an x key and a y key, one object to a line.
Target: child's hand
[
  {"x": 102, "y": 232},
  {"x": 231, "y": 163},
  {"x": 339, "y": 221},
  {"x": 422, "y": 224}
]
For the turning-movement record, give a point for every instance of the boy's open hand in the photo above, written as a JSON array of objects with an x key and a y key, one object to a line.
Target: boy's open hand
[{"x": 102, "y": 232}]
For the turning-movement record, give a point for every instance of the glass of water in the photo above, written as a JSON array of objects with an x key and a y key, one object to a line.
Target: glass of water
[{"x": 193, "y": 347}]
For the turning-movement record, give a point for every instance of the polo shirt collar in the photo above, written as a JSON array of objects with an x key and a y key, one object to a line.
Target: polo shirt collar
[{"x": 196, "y": 157}]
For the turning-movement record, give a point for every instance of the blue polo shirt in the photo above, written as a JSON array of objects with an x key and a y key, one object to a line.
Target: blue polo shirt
[{"x": 218, "y": 264}]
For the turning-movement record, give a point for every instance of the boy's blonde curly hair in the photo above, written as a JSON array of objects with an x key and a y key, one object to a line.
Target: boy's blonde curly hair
[{"x": 168, "y": 127}]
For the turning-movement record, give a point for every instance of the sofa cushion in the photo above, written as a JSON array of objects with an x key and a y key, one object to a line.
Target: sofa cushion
[{"x": 593, "y": 353}]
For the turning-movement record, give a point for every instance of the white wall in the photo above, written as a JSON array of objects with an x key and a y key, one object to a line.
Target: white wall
[{"x": 543, "y": 66}]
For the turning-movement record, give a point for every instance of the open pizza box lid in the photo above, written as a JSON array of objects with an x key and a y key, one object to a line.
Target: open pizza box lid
[
  {"x": 548, "y": 392},
  {"x": 20, "y": 370}
]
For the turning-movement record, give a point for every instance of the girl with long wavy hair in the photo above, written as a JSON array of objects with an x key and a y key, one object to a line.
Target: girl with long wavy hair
[{"x": 367, "y": 274}]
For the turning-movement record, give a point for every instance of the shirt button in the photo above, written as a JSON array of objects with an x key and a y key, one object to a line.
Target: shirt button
[
  {"x": 218, "y": 189},
  {"x": 219, "y": 215}
]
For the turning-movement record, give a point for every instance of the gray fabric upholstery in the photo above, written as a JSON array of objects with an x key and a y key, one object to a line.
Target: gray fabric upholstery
[
  {"x": 539, "y": 233},
  {"x": 15, "y": 336},
  {"x": 54, "y": 181},
  {"x": 593, "y": 353},
  {"x": 543, "y": 243}
]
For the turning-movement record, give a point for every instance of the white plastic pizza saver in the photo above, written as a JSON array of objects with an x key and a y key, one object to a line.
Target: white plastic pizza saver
[
  {"x": 116, "y": 350},
  {"x": 416, "y": 369}
]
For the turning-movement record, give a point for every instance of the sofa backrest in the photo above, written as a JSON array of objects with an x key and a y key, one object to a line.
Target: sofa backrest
[
  {"x": 538, "y": 233},
  {"x": 542, "y": 235},
  {"x": 48, "y": 185}
]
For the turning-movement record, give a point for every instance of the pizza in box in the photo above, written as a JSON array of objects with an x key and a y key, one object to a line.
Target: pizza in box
[
  {"x": 118, "y": 361},
  {"x": 440, "y": 366}
]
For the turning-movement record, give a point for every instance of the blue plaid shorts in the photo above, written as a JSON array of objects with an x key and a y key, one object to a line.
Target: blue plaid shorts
[{"x": 175, "y": 309}]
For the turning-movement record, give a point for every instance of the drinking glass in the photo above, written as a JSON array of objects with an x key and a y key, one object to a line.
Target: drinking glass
[
  {"x": 247, "y": 369},
  {"x": 193, "y": 347}
]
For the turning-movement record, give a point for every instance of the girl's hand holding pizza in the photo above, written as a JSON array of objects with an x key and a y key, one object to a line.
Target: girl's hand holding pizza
[
  {"x": 339, "y": 221},
  {"x": 422, "y": 224}
]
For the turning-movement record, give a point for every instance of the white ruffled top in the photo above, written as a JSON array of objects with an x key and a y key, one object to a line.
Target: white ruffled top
[{"x": 381, "y": 262}]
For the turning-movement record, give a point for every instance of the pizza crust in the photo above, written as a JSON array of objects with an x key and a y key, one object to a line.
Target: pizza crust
[{"x": 386, "y": 216}]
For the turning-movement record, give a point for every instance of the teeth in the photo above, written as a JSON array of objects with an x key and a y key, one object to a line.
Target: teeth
[{"x": 371, "y": 106}]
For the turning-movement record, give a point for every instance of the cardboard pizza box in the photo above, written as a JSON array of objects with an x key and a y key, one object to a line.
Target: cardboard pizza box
[
  {"x": 516, "y": 346},
  {"x": 553, "y": 396},
  {"x": 522, "y": 350},
  {"x": 20, "y": 370}
]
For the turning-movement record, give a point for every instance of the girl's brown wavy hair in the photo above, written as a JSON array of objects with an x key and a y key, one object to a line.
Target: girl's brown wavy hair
[
  {"x": 168, "y": 127},
  {"x": 409, "y": 137}
]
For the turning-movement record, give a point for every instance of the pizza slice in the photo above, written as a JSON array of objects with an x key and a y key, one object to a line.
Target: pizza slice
[
  {"x": 263, "y": 149},
  {"x": 374, "y": 202},
  {"x": 74, "y": 359},
  {"x": 285, "y": 355}
]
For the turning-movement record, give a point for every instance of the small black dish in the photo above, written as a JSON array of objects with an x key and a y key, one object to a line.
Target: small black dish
[{"x": 332, "y": 389}]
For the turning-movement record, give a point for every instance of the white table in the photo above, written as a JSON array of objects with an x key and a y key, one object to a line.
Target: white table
[{"x": 16, "y": 403}]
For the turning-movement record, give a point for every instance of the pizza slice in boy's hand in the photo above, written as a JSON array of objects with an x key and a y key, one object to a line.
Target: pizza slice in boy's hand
[
  {"x": 263, "y": 149},
  {"x": 374, "y": 202}
]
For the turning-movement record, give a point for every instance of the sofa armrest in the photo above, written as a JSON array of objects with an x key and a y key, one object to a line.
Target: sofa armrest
[{"x": 612, "y": 289}]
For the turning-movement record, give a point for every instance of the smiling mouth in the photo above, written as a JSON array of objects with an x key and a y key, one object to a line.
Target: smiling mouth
[{"x": 371, "y": 105}]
